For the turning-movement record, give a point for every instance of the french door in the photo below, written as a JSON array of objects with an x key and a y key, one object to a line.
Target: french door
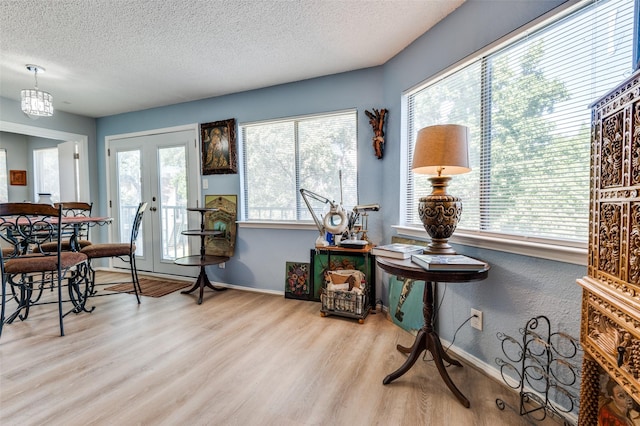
[{"x": 161, "y": 169}]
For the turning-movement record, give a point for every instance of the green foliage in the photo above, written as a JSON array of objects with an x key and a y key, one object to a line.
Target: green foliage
[
  {"x": 284, "y": 156},
  {"x": 508, "y": 102}
]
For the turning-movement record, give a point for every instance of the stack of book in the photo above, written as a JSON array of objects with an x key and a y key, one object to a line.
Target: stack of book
[
  {"x": 451, "y": 262},
  {"x": 397, "y": 250}
]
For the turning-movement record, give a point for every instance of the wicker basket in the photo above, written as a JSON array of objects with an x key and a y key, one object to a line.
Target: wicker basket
[{"x": 344, "y": 301}]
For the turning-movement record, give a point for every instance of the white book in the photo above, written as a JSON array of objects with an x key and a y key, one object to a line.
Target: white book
[
  {"x": 451, "y": 262},
  {"x": 397, "y": 250}
]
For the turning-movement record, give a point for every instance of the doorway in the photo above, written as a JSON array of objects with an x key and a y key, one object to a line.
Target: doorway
[
  {"x": 162, "y": 169},
  {"x": 76, "y": 171}
]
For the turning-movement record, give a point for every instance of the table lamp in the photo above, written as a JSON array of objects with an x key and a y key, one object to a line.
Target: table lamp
[{"x": 440, "y": 150}]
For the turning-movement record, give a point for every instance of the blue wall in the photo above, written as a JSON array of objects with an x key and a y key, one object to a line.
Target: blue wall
[{"x": 259, "y": 260}]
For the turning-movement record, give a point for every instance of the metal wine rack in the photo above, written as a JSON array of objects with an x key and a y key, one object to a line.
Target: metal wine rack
[{"x": 541, "y": 366}]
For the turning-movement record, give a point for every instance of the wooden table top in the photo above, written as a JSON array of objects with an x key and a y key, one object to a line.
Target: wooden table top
[{"x": 407, "y": 269}]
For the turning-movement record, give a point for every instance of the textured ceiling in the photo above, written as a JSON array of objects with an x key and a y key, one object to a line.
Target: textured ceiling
[{"x": 105, "y": 57}]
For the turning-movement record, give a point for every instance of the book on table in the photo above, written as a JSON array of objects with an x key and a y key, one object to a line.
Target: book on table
[
  {"x": 397, "y": 250},
  {"x": 449, "y": 262}
]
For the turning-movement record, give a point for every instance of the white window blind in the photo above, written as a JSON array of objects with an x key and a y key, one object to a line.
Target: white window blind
[
  {"x": 282, "y": 156},
  {"x": 527, "y": 108}
]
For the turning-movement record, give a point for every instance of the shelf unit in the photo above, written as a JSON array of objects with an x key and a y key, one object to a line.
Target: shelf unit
[
  {"x": 343, "y": 303},
  {"x": 202, "y": 260}
]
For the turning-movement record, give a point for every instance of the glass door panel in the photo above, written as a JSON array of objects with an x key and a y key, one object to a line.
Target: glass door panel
[
  {"x": 172, "y": 172},
  {"x": 129, "y": 177}
]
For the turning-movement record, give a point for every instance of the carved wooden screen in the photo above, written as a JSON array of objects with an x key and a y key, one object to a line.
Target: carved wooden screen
[{"x": 610, "y": 327}]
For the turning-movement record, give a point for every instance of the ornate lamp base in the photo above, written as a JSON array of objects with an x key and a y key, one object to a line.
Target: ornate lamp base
[{"x": 440, "y": 213}]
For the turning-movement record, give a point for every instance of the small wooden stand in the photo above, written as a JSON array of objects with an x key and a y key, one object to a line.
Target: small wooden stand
[
  {"x": 367, "y": 303},
  {"x": 202, "y": 259},
  {"x": 427, "y": 338}
]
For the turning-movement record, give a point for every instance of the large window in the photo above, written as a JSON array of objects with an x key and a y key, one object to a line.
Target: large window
[
  {"x": 282, "y": 156},
  {"x": 526, "y": 104}
]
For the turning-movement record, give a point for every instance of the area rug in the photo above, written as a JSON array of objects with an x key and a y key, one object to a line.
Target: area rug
[{"x": 151, "y": 288}]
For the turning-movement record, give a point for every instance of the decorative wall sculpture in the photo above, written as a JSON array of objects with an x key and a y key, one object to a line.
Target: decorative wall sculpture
[{"x": 377, "y": 120}]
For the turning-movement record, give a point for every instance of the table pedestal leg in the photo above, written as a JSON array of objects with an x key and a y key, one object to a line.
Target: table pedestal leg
[
  {"x": 428, "y": 340},
  {"x": 201, "y": 283}
]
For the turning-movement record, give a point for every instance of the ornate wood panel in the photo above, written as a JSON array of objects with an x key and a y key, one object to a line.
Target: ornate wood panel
[{"x": 610, "y": 325}]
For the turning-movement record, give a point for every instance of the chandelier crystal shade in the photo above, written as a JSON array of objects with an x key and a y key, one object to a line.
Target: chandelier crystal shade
[{"x": 36, "y": 103}]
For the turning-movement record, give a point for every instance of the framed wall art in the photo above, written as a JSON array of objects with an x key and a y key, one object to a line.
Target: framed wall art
[
  {"x": 219, "y": 154},
  {"x": 615, "y": 405},
  {"x": 18, "y": 177},
  {"x": 297, "y": 281},
  {"x": 223, "y": 220}
]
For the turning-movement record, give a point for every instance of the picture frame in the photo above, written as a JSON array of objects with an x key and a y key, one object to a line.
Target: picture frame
[
  {"x": 223, "y": 220},
  {"x": 18, "y": 177},
  {"x": 218, "y": 143},
  {"x": 615, "y": 405},
  {"x": 296, "y": 284}
]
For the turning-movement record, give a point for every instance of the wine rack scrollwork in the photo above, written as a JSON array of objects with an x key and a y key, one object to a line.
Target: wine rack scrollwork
[{"x": 540, "y": 365}]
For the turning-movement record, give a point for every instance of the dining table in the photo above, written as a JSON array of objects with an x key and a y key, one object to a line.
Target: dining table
[
  {"x": 75, "y": 223},
  {"x": 14, "y": 232}
]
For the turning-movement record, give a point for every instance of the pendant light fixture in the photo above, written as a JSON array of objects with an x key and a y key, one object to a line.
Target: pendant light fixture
[{"x": 36, "y": 103}]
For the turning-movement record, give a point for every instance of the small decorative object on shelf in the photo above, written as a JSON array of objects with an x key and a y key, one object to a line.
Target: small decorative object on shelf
[
  {"x": 376, "y": 119},
  {"x": 540, "y": 366}
]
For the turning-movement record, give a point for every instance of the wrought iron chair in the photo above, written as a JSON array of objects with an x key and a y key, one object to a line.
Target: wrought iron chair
[
  {"x": 28, "y": 270},
  {"x": 124, "y": 251},
  {"x": 73, "y": 239}
]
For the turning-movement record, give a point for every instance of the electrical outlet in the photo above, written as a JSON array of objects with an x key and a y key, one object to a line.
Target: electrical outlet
[
  {"x": 476, "y": 321},
  {"x": 205, "y": 183},
  {"x": 221, "y": 265}
]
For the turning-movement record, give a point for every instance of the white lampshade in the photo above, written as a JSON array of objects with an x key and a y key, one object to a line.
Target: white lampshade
[{"x": 442, "y": 150}]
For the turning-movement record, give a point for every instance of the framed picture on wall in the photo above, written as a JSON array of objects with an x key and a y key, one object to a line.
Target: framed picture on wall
[
  {"x": 218, "y": 141},
  {"x": 18, "y": 177}
]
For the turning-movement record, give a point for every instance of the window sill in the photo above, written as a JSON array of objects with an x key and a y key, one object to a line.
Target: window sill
[{"x": 570, "y": 254}]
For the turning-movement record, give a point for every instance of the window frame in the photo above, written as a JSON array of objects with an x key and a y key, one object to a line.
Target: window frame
[
  {"x": 566, "y": 251},
  {"x": 298, "y": 224}
]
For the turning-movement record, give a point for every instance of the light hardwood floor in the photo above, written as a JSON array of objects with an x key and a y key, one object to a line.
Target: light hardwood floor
[{"x": 240, "y": 358}]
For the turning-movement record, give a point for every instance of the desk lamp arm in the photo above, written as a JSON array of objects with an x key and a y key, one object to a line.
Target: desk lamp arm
[{"x": 305, "y": 194}]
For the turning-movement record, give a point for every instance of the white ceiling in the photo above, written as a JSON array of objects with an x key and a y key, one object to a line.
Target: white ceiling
[{"x": 105, "y": 57}]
